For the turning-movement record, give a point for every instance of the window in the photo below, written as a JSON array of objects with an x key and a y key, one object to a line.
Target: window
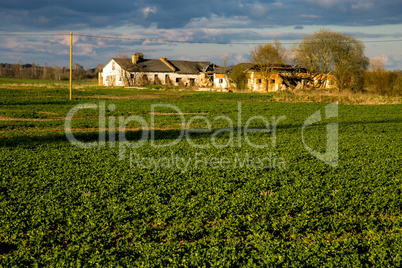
[
  {"x": 192, "y": 82},
  {"x": 156, "y": 79},
  {"x": 113, "y": 66},
  {"x": 167, "y": 80},
  {"x": 258, "y": 81},
  {"x": 178, "y": 80},
  {"x": 220, "y": 80},
  {"x": 209, "y": 77},
  {"x": 272, "y": 81}
]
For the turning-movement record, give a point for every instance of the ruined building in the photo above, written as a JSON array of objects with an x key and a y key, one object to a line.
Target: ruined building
[{"x": 141, "y": 71}]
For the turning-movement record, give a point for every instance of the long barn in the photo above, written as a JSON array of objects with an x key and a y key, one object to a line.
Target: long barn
[{"x": 141, "y": 71}]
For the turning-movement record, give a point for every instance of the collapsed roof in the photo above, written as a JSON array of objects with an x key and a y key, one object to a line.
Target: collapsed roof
[{"x": 164, "y": 65}]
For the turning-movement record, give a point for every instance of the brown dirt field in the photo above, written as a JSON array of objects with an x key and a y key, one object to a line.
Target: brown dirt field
[
  {"x": 141, "y": 96},
  {"x": 4, "y": 118},
  {"x": 10, "y": 110},
  {"x": 176, "y": 113},
  {"x": 30, "y": 130},
  {"x": 355, "y": 99},
  {"x": 49, "y": 113}
]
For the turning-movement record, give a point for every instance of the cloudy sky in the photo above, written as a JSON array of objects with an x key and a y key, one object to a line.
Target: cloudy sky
[{"x": 38, "y": 31}]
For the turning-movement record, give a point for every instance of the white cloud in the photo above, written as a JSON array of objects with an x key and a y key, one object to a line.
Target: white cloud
[
  {"x": 343, "y": 4},
  {"x": 309, "y": 16},
  {"x": 148, "y": 10},
  {"x": 362, "y": 5},
  {"x": 216, "y": 21}
]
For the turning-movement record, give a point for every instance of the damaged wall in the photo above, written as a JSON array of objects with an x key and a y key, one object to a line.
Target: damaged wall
[
  {"x": 257, "y": 83},
  {"x": 175, "y": 79},
  {"x": 288, "y": 78}
]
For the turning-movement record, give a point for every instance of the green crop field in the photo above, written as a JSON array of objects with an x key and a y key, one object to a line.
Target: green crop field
[{"x": 226, "y": 195}]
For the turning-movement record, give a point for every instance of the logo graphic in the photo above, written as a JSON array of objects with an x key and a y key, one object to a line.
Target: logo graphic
[
  {"x": 331, "y": 155},
  {"x": 111, "y": 123},
  {"x": 112, "y": 133}
]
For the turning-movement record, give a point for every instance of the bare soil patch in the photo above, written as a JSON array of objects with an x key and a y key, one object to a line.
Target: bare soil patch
[
  {"x": 49, "y": 113},
  {"x": 342, "y": 98},
  {"x": 152, "y": 96},
  {"x": 36, "y": 130},
  {"x": 176, "y": 113},
  {"x": 4, "y": 118}
]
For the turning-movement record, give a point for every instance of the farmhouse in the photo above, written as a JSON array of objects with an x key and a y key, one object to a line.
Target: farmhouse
[
  {"x": 283, "y": 77},
  {"x": 141, "y": 71}
]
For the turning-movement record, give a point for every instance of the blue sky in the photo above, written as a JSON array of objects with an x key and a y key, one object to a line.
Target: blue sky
[{"x": 153, "y": 26}]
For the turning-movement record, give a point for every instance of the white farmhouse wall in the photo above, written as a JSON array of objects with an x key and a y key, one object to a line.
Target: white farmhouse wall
[
  {"x": 220, "y": 81},
  {"x": 173, "y": 77},
  {"x": 253, "y": 82},
  {"x": 112, "y": 76}
]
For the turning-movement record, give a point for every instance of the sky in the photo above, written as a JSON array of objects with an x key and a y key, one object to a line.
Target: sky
[{"x": 39, "y": 31}]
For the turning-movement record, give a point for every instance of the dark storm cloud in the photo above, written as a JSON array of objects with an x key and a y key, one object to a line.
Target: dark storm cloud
[
  {"x": 58, "y": 15},
  {"x": 23, "y": 15}
]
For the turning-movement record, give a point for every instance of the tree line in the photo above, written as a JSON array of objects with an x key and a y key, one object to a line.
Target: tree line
[
  {"x": 35, "y": 71},
  {"x": 329, "y": 53}
]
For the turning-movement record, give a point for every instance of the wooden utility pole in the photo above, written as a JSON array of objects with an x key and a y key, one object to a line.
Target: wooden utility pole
[{"x": 71, "y": 66}]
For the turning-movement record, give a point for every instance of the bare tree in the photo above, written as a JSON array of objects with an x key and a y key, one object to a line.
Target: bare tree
[
  {"x": 98, "y": 68},
  {"x": 377, "y": 77},
  {"x": 21, "y": 69},
  {"x": 266, "y": 57},
  {"x": 78, "y": 71},
  {"x": 45, "y": 74},
  {"x": 225, "y": 63},
  {"x": 337, "y": 53},
  {"x": 57, "y": 72},
  {"x": 34, "y": 68}
]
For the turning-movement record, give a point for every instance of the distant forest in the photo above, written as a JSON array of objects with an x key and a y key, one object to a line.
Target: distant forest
[{"x": 34, "y": 71}]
